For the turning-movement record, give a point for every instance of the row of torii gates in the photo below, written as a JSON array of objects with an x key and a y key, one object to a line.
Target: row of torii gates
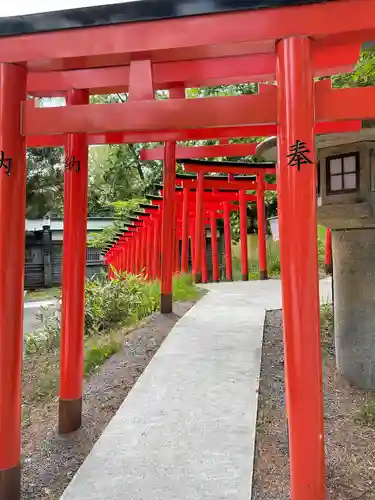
[
  {"x": 136, "y": 249},
  {"x": 199, "y": 200},
  {"x": 291, "y": 46}
]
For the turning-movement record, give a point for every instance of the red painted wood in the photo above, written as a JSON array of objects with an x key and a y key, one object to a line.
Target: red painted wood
[
  {"x": 204, "y": 260},
  {"x": 140, "y": 81},
  {"x": 192, "y": 241},
  {"x": 156, "y": 248},
  {"x": 193, "y": 134},
  {"x": 199, "y": 226},
  {"x": 150, "y": 115},
  {"x": 202, "y": 151},
  {"x": 193, "y": 37},
  {"x": 191, "y": 73},
  {"x": 145, "y": 116},
  {"x": 12, "y": 258},
  {"x": 168, "y": 221},
  {"x": 185, "y": 233},
  {"x": 214, "y": 247},
  {"x": 299, "y": 267},
  {"x": 74, "y": 262},
  {"x": 219, "y": 184},
  {"x": 328, "y": 250},
  {"x": 243, "y": 236},
  {"x": 149, "y": 240},
  {"x": 228, "y": 242},
  {"x": 207, "y": 168},
  {"x": 262, "y": 228}
]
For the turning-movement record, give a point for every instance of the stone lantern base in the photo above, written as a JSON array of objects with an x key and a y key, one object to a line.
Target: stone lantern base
[{"x": 354, "y": 308}]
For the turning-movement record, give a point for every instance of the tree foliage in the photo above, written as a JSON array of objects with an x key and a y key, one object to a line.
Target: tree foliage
[
  {"x": 363, "y": 74},
  {"x": 121, "y": 211},
  {"x": 44, "y": 182}
]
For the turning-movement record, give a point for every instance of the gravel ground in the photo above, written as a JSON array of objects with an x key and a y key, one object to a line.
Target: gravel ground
[
  {"x": 350, "y": 444},
  {"x": 49, "y": 460}
]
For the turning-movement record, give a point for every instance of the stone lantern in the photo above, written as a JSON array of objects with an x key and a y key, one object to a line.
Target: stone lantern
[{"x": 346, "y": 205}]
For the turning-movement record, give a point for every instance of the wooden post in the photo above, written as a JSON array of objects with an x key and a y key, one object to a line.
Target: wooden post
[
  {"x": 214, "y": 247},
  {"x": 168, "y": 227},
  {"x": 227, "y": 242},
  {"x": 243, "y": 236},
  {"x": 299, "y": 268},
  {"x": 199, "y": 227},
  {"x": 262, "y": 232},
  {"x": 74, "y": 274},
  {"x": 328, "y": 253},
  {"x": 185, "y": 233},
  {"x": 12, "y": 261}
]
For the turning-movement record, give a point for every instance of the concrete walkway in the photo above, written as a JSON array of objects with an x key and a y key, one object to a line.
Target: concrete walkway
[
  {"x": 186, "y": 431},
  {"x": 31, "y": 311}
]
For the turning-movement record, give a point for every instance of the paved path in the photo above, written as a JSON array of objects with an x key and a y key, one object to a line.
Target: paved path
[
  {"x": 186, "y": 431},
  {"x": 30, "y": 312}
]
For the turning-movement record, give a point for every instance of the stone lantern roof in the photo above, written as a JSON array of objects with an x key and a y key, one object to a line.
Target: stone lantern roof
[{"x": 268, "y": 148}]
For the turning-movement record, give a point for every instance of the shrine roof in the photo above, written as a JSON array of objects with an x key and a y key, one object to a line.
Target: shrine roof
[{"x": 26, "y": 22}]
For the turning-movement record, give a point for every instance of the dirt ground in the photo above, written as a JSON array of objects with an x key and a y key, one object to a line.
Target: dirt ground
[
  {"x": 350, "y": 442},
  {"x": 49, "y": 460}
]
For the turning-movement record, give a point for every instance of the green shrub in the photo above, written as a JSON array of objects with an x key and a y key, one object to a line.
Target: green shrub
[
  {"x": 123, "y": 300},
  {"x": 47, "y": 336}
]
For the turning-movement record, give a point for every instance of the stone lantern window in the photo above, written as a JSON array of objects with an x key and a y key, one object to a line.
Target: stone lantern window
[{"x": 342, "y": 173}]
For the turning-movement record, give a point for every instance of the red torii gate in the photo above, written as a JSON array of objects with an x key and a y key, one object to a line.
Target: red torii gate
[
  {"x": 234, "y": 183},
  {"x": 291, "y": 45},
  {"x": 147, "y": 264},
  {"x": 220, "y": 198},
  {"x": 259, "y": 169}
]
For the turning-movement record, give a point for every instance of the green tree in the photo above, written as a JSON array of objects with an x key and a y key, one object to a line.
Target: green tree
[
  {"x": 363, "y": 74},
  {"x": 44, "y": 181},
  {"x": 121, "y": 210}
]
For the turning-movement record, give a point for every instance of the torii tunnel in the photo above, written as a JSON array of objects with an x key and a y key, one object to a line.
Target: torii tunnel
[
  {"x": 138, "y": 47},
  {"x": 199, "y": 201}
]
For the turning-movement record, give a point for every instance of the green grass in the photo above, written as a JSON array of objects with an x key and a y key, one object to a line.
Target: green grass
[
  {"x": 273, "y": 261},
  {"x": 99, "y": 352},
  {"x": 273, "y": 257}
]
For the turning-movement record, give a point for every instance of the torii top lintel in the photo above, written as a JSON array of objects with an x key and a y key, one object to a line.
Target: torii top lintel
[
  {"x": 53, "y": 44},
  {"x": 177, "y": 30}
]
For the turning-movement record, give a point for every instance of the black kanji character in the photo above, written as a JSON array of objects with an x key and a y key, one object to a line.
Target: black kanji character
[
  {"x": 73, "y": 163},
  {"x": 5, "y": 162},
  {"x": 298, "y": 152}
]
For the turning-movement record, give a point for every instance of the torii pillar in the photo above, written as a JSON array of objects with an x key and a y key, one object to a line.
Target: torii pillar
[
  {"x": 168, "y": 229},
  {"x": 296, "y": 185},
  {"x": 74, "y": 275},
  {"x": 12, "y": 261}
]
